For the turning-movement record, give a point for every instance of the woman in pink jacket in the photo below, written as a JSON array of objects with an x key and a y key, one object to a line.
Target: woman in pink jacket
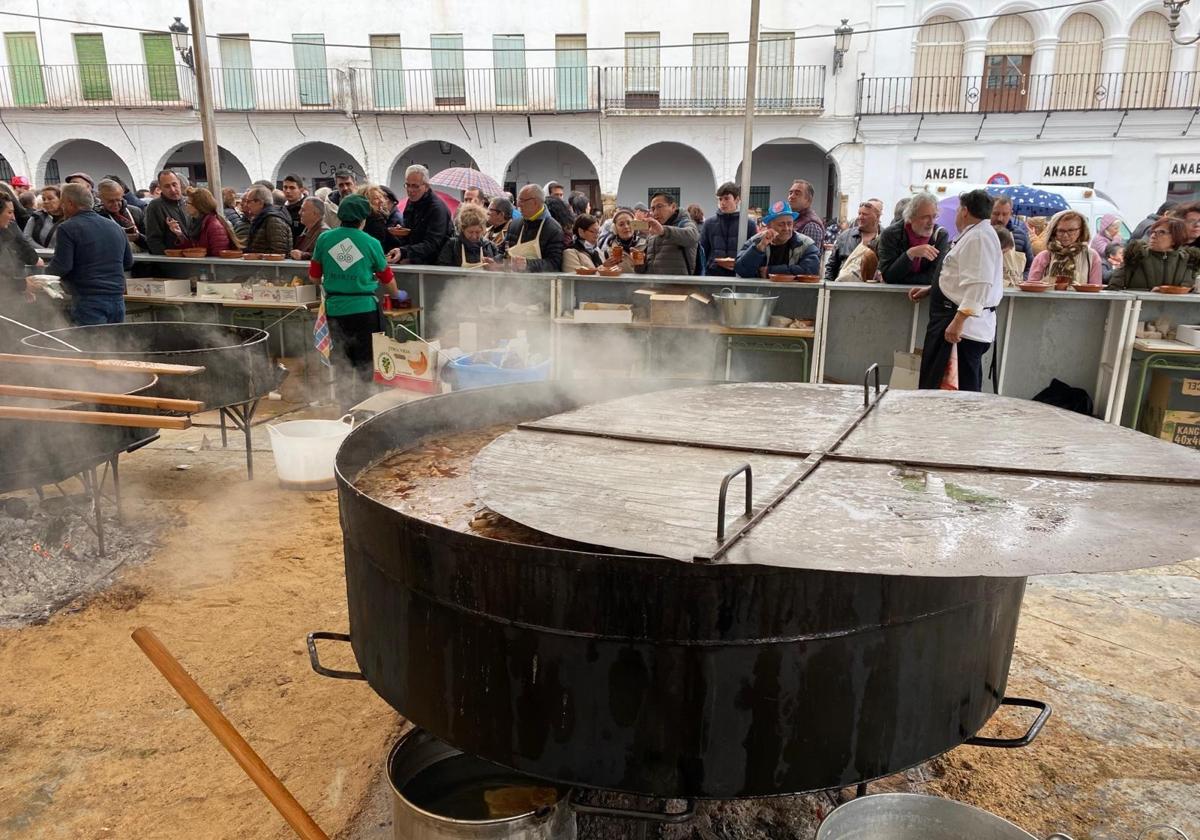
[{"x": 1067, "y": 253}]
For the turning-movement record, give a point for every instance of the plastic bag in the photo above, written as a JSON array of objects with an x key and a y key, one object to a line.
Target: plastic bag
[{"x": 950, "y": 375}]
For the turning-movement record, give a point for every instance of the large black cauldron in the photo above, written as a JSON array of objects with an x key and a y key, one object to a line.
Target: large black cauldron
[
  {"x": 236, "y": 360},
  {"x": 649, "y": 675},
  {"x": 38, "y": 453}
]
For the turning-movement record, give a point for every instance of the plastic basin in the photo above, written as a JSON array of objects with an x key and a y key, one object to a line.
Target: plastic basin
[
  {"x": 481, "y": 370},
  {"x": 304, "y": 452}
]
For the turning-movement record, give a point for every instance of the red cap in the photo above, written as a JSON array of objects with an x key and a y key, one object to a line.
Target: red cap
[{"x": 20, "y": 181}]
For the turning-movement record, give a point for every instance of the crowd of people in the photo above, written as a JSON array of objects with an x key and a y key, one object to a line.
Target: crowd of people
[{"x": 354, "y": 232}]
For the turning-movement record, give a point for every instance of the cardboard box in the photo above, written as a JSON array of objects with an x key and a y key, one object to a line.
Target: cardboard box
[
  {"x": 1173, "y": 408},
  {"x": 1188, "y": 334},
  {"x": 228, "y": 291},
  {"x": 405, "y": 364},
  {"x": 158, "y": 287},
  {"x": 906, "y": 371},
  {"x": 604, "y": 313},
  {"x": 680, "y": 309},
  {"x": 285, "y": 294}
]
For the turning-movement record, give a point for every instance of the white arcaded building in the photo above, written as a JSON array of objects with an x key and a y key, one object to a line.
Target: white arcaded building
[{"x": 535, "y": 91}]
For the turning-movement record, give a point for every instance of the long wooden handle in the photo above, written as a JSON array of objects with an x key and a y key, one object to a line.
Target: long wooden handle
[
  {"x": 101, "y": 398},
  {"x": 116, "y": 365},
  {"x": 95, "y": 418},
  {"x": 230, "y": 739}
]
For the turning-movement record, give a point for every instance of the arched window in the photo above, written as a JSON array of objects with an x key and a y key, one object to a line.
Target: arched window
[
  {"x": 1006, "y": 65},
  {"x": 937, "y": 82},
  {"x": 1077, "y": 63},
  {"x": 1147, "y": 62}
]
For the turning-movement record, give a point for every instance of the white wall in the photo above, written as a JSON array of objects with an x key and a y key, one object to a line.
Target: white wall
[
  {"x": 668, "y": 165},
  {"x": 429, "y": 154},
  {"x": 318, "y": 160},
  {"x": 778, "y": 164},
  {"x": 549, "y": 160},
  {"x": 233, "y": 172}
]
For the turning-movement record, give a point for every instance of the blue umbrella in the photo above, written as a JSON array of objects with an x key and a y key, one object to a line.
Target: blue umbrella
[{"x": 1030, "y": 201}]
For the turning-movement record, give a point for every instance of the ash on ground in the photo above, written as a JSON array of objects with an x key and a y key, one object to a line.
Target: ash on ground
[{"x": 49, "y": 553}]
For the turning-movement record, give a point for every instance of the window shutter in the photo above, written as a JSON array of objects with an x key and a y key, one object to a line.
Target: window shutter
[
  {"x": 25, "y": 69},
  {"x": 160, "y": 67},
  {"x": 571, "y": 75},
  {"x": 387, "y": 69},
  {"x": 312, "y": 78},
  {"x": 93, "y": 66},
  {"x": 237, "y": 77},
  {"x": 510, "y": 69},
  {"x": 449, "y": 78}
]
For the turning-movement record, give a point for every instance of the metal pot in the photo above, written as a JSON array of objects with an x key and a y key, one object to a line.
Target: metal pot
[
  {"x": 744, "y": 309},
  {"x": 913, "y": 816},
  {"x": 438, "y": 795}
]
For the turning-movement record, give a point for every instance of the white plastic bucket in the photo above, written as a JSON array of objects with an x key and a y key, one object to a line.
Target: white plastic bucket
[{"x": 305, "y": 449}]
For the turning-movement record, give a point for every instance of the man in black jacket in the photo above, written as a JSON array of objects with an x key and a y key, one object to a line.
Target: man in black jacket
[
  {"x": 535, "y": 241},
  {"x": 911, "y": 249},
  {"x": 114, "y": 205},
  {"x": 294, "y": 195},
  {"x": 91, "y": 255},
  {"x": 719, "y": 235},
  {"x": 427, "y": 218}
]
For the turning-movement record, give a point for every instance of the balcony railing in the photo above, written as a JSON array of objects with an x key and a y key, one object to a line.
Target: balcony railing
[
  {"x": 539, "y": 90},
  {"x": 708, "y": 89},
  {"x": 1015, "y": 93}
]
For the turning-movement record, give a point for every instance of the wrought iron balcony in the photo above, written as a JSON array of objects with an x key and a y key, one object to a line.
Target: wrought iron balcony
[
  {"x": 1013, "y": 92},
  {"x": 705, "y": 90},
  {"x": 59, "y": 86}
]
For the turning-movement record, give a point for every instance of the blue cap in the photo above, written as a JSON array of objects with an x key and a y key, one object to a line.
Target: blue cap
[{"x": 778, "y": 209}]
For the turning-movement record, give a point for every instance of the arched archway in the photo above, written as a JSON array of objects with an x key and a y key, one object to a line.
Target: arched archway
[
  {"x": 553, "y": 160},
  {"x": 434, "y": 155},
  {"x": 316, "y": 163},
  {"x": 80, "y": 155},
  {"x": 189, "y": 157},
  {"x": 779, "y": 162},
  {"x": 667, "y": 166}
]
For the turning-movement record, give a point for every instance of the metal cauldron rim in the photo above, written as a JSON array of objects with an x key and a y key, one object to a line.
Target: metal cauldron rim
[{"x": 253, "y": 336}]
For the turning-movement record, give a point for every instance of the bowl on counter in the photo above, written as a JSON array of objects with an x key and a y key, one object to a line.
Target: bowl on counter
[
  {"x": 231, "y": 254},
  {"x": 195, "y": 253},
  {"x": 1172, "y": 290},
  {"x": 614, "y": 271},
  {"x": 782, "y": 278},
  {"x": 252, "y": 256},
  {"x": 808, "y": 278},
  {"x": 274, "y": 257},
  {"x": 173, "y": 252},
  {"x": 585, "y": 270},
  {"x": 1087, "y": 287},
  {"x": 1033, "y": 286}
]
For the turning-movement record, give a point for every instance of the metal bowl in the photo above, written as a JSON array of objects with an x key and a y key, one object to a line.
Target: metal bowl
[{"x": 744, "y": 310}]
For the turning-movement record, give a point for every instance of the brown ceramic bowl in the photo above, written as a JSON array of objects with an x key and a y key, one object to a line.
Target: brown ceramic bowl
[
  {"x": 1061, "y": 283},
  {"x": 782, "y": 278},
  {"x": 274, "y": 257},
  {"x": 610, "y": 272},
  {"x": 808, "y": 278},
  {"x": 173, "y": 252},
  {"x": 1087, "y": 287},
  {"x": 1173, "y": 290},
  {"x": 252, "y": 256},
  {"x": 194, "y": 253},
  {"x": 231, "y": 254},
  {"x": 585, "y": 270},
  {"x": 1032, "y": 286},
  {"x": 725, "y": 262}
]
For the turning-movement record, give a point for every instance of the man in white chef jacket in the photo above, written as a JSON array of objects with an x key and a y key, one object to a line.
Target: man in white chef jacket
[{"x": 962, "y": 305}]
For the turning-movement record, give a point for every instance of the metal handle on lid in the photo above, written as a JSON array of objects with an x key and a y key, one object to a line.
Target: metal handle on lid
[
  {"x": 744, "y": 468},
  {"x": 1026, "y": 739},
  {"x": 664, "y": 816},
  {"x": 866, "y": 387},
  {"x": 1162, "y": 827},
  {"x": 314, "y": 658}
]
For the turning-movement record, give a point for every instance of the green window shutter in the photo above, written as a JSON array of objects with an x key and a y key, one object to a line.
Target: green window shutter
[
  {"x": 93, "y": 66},
  {"x": 160, "y": 67},
  {"x": 571, "y": 75},
  {"x": 312, "y": 78},
  {"x": 25, "y": 69},
  {"x": 388, "y": 71},
  {"x": 510, "y": 69},
  {"x": 449, "y": 78},
  {"x": 237, "y": 77}
]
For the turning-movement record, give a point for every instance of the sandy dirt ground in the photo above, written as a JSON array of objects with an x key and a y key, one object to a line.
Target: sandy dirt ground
[{"x": 95, "y": 744}]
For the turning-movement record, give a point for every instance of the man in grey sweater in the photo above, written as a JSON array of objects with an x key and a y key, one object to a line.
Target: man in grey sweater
[
  {"x": 672, "y": 238},
  {"x": 169, "y": 204}
]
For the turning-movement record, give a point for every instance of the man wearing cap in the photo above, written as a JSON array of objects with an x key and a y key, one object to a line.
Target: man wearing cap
[
  {"x": 21, "y": 185},
  {"x": 779, "y": 249},
  {"x": 350, "y": 265},
  {"x": 82, "y": 178}
]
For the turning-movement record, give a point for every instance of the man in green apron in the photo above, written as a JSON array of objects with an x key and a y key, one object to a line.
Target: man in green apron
[{"x": 349, "y": 264}]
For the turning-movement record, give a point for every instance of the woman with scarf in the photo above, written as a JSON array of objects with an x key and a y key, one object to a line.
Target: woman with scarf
[
  {"x": 213, "y": 233},
  {"x": 583, "y": 253},
  {"x": 499, "y": 217},
  {"x": 468, "y": 247},
  {"x": 1107, "y": 233},
  {"x": 1067, "y": 255},
  {"x": 1164, "y": 259},
  {"x": 43, "y": 224},
  {"x": 616, "y": 249}
]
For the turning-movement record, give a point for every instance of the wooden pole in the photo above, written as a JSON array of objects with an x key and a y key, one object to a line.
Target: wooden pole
[
  {"x": 208, "y": 126},
  {"x": 101, "y": 398},
  {"x": 230, "y": 738},
  {"x": 748, "y": 128},
  {"x": 95, "y": 418},
  {"x": 112, "y": 365}
]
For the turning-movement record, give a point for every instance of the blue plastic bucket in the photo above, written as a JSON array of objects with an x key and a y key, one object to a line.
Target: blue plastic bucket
[{"x": 481, "y": 370}]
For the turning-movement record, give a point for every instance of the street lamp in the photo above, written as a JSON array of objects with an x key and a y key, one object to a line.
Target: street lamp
[
  {"x": 1175, "y": 7},
  {"x": 841, "y": 42},
  {"x": 179, "y": 35}
]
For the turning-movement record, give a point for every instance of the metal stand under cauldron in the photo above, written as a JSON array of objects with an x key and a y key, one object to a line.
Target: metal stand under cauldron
[{"x": 856, "y": 620}]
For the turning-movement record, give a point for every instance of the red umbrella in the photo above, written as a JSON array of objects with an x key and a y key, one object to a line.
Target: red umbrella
[{"x": 452, "y": 203}]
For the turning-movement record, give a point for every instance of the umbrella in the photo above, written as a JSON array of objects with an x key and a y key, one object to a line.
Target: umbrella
[
  {"x": 450, "y": 201},
  {"x": 1030, "y": 201},
  {"x": 465, "y": 178}
]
